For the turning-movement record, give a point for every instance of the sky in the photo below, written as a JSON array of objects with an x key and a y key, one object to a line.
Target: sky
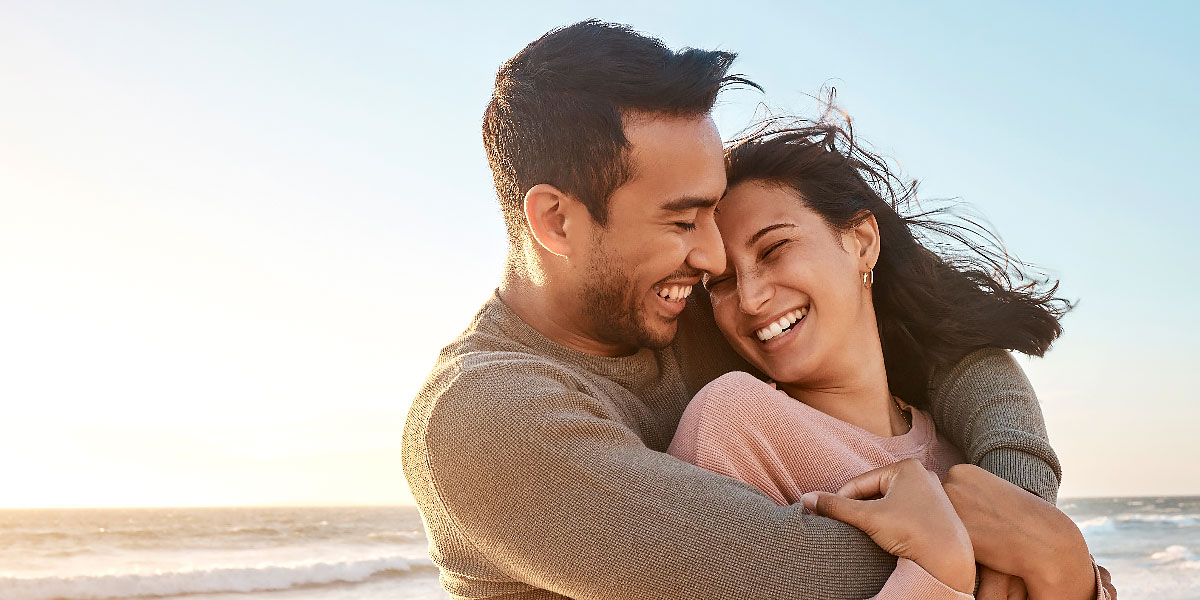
[{"x": 233, "y": 236}]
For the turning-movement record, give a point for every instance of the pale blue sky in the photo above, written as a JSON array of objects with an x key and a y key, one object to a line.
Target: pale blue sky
[{"x": 234, "y": 235}]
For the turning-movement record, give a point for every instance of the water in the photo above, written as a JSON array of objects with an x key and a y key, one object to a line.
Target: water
[
  {"x": 216, "y": 554},
  {"x": 1151, "y": 546}
]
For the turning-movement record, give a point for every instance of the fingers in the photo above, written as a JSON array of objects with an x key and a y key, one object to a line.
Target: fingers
[
  {"x": 837, "y": 507},
  {"x": 875, "y": 483},
  {"x": 993, "y": 585},
  {"x": 1016, "y": 589}
]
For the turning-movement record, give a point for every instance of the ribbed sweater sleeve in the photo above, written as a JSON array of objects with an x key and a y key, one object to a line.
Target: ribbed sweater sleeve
[
  {"x": 986, "y": 406},
  {"x": 540, "y": 479}
]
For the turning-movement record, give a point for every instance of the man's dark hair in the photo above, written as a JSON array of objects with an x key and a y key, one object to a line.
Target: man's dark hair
[{"x": 556, "y": 113}]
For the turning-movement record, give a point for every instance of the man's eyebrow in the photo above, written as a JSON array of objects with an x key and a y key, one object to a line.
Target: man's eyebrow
[
  {"x": 765, "y": 231},
  {"x": 688, "y": 203}
]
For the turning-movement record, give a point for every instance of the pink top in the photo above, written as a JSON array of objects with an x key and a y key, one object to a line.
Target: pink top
[{"x": 743, "y": 428}]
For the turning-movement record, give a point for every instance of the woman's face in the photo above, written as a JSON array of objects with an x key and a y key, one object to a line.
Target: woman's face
[{"x": 791, "y": 299}]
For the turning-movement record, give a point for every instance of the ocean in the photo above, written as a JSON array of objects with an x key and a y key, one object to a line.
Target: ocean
[{"x": 1150, "y": 545}]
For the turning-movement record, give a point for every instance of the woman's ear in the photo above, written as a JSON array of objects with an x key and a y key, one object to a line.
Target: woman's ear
[
  {"x": 553, "y": 217},
  {"x": 866, "y": 240}
]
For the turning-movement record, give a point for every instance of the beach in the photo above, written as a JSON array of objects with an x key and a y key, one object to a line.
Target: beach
[{"x": 1151, "y": 545}]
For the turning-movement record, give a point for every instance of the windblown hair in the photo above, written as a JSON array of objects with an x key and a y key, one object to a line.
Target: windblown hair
[
  {"x": 556, "y": 114},
  {"x": 944, "y": 285}
]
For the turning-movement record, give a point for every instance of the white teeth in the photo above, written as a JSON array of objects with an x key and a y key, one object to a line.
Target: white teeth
[
  {"x": 776, "y": 328},
  {"x": 674, "y": 293}
]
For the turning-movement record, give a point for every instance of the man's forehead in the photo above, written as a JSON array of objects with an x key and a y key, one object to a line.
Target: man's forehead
[
  {"x": 680, "y": 158},
  {"x": 642, "y": 128}
]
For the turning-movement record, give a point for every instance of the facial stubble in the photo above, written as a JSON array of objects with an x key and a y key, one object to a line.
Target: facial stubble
[{"x": 615, "y": 310}]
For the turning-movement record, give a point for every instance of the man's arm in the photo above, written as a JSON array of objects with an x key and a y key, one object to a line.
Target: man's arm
[
  {"x": 544, "y": 483},
  {"x": 986, "y": 406}
]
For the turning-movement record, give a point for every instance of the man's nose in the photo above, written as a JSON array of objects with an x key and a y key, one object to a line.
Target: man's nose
[{"x": 709, "y": 252}]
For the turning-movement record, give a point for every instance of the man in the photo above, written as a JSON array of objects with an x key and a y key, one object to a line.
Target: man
[{"x": 535, "y": 448}]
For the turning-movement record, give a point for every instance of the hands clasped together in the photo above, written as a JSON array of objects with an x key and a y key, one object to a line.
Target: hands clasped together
[{"x": 1024, "y": 546}]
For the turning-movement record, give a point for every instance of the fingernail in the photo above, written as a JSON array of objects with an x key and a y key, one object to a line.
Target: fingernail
[{"x": 809, "y": 501}]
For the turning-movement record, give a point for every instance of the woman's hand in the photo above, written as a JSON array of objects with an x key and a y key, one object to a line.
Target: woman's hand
[
  {"x": 1014, "y": 531},
  {"x": 913, "y": 519}
]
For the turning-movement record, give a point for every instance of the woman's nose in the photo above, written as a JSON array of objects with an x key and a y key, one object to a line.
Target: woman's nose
[{"x": 753, "y": 294}]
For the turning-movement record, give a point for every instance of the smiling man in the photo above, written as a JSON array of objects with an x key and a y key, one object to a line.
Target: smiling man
[
  {"x": 535, "y": 449},
  {"x": 642, "y": 261}
]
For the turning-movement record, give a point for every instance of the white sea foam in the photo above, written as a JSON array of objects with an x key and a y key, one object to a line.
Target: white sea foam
[
  {"x": 242, "y": 579},
  {"x": 1180, "y": 520},
  {"x": 1171, "y": 554},
  {"x": 1096, "y": 525},
  {"x": 1176, "y": 556},
  {"x": 1108, "y": 524}
]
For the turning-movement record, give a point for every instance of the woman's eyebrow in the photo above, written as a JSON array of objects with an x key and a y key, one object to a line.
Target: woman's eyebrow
[{"x": 765, "y": 231}]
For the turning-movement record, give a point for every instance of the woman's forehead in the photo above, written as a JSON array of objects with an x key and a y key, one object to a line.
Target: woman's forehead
[{"x": 747, "y": 207}]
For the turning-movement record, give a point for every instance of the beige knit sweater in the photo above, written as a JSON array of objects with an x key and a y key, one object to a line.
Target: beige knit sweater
[{"x": 540, "y": 472}]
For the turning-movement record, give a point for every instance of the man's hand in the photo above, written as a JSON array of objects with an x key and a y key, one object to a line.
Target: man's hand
[
  {"x": 1014, "y": 531},
  {"x": 913, "y": 519},
  {"x": 994, "y": 585}
]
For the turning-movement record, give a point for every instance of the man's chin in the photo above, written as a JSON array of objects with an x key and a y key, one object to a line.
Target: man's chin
[{"x": 659, "y": 335}]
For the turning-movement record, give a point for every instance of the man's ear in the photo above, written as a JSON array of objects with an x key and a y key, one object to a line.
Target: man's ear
[
  {"x": 866, "y": 240},
  {"x": 554, "y": 218}
]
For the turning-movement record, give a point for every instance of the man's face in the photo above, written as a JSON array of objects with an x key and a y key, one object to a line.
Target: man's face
[{"x": 661, "y": 234}]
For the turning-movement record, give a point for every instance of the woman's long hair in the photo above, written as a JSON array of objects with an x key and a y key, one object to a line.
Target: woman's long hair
[{"x": 944, "y": 285}]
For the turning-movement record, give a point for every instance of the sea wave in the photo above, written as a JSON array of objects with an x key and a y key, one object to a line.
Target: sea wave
[
  {"x": 396, "y": 536},
  {"x": 1179, "y": 520},
  {"x": 1177, "y": 556},
  {"x": 1096, "y": 525},
  {"x": 1111, "y": 523},
  {"x": 233, "y": 579}
]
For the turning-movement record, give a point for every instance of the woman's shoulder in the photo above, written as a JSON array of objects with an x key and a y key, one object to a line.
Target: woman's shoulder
[{"x": 736, "y": 379}]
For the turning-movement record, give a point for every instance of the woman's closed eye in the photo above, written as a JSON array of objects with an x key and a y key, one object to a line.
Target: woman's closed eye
[{"x": 772, "y": 248}]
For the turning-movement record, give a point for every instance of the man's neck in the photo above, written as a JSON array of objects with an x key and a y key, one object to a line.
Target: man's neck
[{"x": 554, "y": 317}]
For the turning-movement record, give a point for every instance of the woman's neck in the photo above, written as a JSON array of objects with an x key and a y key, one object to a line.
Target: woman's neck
[{"x": 860, "y": 397}]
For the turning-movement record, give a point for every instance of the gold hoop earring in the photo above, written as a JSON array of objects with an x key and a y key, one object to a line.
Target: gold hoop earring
[{"x": 869, "y": 279}]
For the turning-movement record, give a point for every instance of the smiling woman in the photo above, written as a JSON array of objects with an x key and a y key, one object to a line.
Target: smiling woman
[
  {"x": 810, "y": 224},
  {"x": 941, "y": 286}
]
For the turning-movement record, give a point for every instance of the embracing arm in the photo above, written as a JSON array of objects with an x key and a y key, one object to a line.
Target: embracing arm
[
  {"x": 539, "y": 479},
  {"x": 986, "y": 406}
]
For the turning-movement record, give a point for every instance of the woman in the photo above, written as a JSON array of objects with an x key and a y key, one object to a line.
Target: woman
[{"x": 828, "y": 292}]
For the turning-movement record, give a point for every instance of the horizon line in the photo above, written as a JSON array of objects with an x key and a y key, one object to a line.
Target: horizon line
[{"x": 399, "y": 505}]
